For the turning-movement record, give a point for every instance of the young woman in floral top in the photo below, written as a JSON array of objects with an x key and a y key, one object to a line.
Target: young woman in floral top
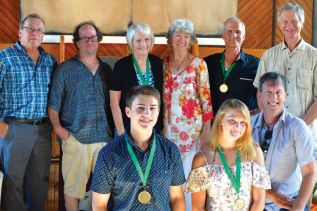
[
  {"x": 230, "y": 173},
  {"x": 186, "y": 95}
]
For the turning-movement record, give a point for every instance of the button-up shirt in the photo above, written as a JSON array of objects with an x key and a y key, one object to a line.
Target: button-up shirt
[
  {"x": 80, "y": 98},
  {"x": 24, "y": 85},
  {"x": 291, "y": 147},
  {"x": 300, "y": 69},
  {"x": 116, "y": 174},
  {"x": 239, "y": 81}
]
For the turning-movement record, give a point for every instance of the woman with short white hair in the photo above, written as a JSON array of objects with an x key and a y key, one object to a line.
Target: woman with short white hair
[{"x": 139, "y": 68}]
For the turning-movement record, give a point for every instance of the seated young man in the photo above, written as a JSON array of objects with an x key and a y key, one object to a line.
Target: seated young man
[{"x": 139, "y": 170}]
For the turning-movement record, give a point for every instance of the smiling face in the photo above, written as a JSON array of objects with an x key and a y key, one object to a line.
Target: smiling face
[
  {"x": 233, "y": 125},
  {"x": 31, "y": 33},
  {"x": 143, "y": 113},
  {"x": 141, "y": 44},
  {"x": 233, "y": 34},
  {"x": 181, "y": 40},
  {"x": 273, "y": 96},
  {"x": 290, "y": 25}
]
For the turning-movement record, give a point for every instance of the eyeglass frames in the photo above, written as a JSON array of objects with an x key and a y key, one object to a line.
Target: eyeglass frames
[
  {"x": 33, "y": 31},
  {"x": 86, "y": 39},
  {"x": 266, "y": 142}
]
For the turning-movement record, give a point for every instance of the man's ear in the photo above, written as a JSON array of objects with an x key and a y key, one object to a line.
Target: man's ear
[{"x": 127, "y": 111}]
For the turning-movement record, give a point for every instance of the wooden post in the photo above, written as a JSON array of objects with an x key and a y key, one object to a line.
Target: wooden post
[
  {"x": 62, "y": 49},
  {"x": 195, "y": 48}
]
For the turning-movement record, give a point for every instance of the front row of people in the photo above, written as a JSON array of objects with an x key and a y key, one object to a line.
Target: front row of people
[{"x": 142, "y": 170}]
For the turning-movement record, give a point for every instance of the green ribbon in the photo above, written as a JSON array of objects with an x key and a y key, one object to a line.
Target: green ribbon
[
  {"x": 235, "y": 182},
  {"x": 136, "y": 163},
  {"x": 224, "y": 72},
  {"x": 145, "y": 81}
]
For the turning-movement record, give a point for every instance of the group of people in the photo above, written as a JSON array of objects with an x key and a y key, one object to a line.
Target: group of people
[{"x": 147, "y": 126}]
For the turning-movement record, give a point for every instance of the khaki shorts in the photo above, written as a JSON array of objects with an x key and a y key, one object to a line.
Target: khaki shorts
[{"x": 78, "y": 162}]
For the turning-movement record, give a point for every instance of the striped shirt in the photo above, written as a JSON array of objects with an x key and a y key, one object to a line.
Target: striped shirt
[{"x": 24, "y": 85}]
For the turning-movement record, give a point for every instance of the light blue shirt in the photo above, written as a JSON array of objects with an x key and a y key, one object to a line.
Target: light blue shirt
[{"x": 291, "y": 147}]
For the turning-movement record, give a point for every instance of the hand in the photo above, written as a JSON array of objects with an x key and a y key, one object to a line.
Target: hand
[
  {"x": 3, "y": 129},
  {"x": 280, "y": 200},
  {"x": 62, "y": 133}
]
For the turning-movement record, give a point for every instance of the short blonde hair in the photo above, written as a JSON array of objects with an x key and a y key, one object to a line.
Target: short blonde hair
[{"x": 245, "y": 144}]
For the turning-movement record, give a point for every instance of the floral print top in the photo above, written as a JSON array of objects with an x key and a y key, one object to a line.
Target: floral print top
[
  {"x": 220, "y": 193},
  {"x": 187, "y": 103}
]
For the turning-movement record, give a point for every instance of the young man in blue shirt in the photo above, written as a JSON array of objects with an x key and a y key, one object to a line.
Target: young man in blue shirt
[{"x": 139, "y": 170}]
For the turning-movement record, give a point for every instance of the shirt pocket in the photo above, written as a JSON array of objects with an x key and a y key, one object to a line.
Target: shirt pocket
[{"x": 304, "y": 77}]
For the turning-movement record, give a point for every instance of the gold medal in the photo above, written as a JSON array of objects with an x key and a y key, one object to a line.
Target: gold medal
[
  {"x": 223, "y": 88},
  {"x": 239, "y": 204},
  {"x": 144, "y": 197}
]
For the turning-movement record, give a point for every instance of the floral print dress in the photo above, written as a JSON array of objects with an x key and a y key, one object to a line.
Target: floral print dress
[
  {"x": 220, "y": 192},
  {"x": 187, "y": 104}
]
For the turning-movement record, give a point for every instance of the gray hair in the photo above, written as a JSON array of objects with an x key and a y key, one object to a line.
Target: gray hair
[
  {"x": 143, "y": 28},
  {"x": 232, "y": 19},
  {"x": 292, "y": 7},
  {"x": 31, "y": 16},
  {"x": 181, "y": 25}
]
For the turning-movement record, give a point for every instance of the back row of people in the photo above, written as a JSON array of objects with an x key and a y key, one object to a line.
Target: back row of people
[{"x": 82, "y": 86}]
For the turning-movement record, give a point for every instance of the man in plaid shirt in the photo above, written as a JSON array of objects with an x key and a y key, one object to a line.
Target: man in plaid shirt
[{"x": 25, "y": 132}]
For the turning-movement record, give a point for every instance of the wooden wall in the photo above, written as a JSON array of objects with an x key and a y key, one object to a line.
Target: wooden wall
[{"x": 257, "y": 15}]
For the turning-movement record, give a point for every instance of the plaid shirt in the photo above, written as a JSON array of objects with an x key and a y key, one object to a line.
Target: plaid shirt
[{"x": 24, "y": 85}]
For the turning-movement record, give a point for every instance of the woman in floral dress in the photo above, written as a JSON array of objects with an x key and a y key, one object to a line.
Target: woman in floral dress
[
  {"x": 186, "y": 95},
  {"x": 230, "y": 173}
]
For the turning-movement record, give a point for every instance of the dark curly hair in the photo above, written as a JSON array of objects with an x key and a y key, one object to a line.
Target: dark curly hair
[{"x": 76, "y": 36}]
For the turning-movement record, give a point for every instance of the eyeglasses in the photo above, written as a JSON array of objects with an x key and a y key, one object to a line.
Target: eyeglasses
[
  {"x": 34, "y": 31},
  {"x": 266, "y": 142},
  {"x": 86, "y": 39}
]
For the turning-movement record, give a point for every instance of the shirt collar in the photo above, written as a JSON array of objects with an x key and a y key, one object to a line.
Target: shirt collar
[
  {"x": 21, "y": 48},
  {"x": 300, "y": 46},
  {"x": 129, "y": 138},
  {"x": 260, "y": 120},
  {"x": 241, "y": 56}
]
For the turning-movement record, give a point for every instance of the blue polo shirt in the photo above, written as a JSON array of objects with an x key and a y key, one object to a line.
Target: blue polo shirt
[{"x": 116, "y": 174}]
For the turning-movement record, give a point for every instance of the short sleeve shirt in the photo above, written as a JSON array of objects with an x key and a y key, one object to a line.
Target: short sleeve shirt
[
  {"x": 80, "y": 98},
  {"x": 300, "y": 69},
  {"x": 115, "y": 174}
]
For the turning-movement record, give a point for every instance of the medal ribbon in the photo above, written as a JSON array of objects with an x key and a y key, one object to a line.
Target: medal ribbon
[
  {"x": 224, "y": 72},
  {"x": 235, "y": 182},
  {"x": 136, "y": 163},
  {"x": 145, "y": 81}
]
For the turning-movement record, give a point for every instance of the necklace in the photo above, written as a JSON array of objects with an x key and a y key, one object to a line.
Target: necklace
[
  {"x": 146, "y": 80},
  {"x": 180, "y": 66}
]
